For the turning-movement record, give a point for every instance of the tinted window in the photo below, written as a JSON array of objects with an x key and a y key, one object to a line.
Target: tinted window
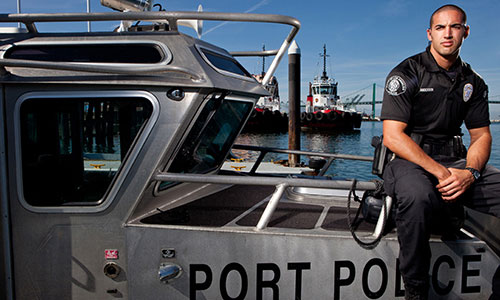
[
  {"x": 211, "y": 137},
  {"x": 225, "y": 63},
  {"x": 73, "y": 148},
  {"x": 97, "y": 53}
]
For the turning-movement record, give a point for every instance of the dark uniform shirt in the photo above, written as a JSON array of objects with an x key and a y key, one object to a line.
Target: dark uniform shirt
[{"x": 433, "y": 101}]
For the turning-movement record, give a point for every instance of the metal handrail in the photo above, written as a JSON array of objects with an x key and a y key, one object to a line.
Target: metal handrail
[
  {"x": 254, "y": 53},
  {"x": 171, "y": 17},
  {"x": 281, "y": 183},
  {"x": 331, "y": 156},
  {"x": 262, "y": 180}
]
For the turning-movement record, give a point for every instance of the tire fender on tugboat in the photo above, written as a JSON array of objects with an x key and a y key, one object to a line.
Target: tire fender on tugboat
[
  {"x": 319, "y": 116},
  {"x": 332, "y": 116},
  {"x": 309, "y": 116}
]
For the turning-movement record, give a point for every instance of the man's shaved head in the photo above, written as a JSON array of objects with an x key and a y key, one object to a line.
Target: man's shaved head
[{"x": 449, "y": 7}]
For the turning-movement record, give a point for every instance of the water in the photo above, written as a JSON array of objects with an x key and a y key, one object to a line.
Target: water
[{"x": 353, "y": 142}]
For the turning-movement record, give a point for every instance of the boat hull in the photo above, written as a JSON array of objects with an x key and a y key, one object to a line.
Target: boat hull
[
  {"x": 247, "y": 264},
  {"x": 265, "y": 120}
]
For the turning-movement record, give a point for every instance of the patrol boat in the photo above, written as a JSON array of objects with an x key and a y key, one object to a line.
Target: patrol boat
[
  {"x": 324, "y": 109},
  {"x": 111, "y": 183}
]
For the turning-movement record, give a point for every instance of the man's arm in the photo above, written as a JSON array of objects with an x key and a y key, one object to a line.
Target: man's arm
[
  {"x": 480, "y": 147},
  {"x": 400, "y": 143},
  {"x": 477, "y": 157}
]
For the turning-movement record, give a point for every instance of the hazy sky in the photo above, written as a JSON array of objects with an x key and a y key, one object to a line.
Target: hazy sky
[{"x": 365, "y": 39}]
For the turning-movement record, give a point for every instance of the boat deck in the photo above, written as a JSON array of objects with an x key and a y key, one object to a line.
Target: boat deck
[
  {"x": 243, "y": 205},
  {"x": 240, "y": 208}
]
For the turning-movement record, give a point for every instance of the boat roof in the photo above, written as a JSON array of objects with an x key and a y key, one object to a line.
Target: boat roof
[{"x": 180, "y": 59}]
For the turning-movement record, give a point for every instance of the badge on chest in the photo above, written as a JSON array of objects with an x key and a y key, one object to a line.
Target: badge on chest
[{"x": 468, "y": 92}]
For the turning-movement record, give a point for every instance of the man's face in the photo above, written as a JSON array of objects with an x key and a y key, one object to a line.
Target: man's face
[{"x": 447, "y": 33}]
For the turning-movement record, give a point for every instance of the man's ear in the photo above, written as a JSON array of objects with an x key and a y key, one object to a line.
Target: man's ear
[
  {"x": 429, "y": 35},
  {"x": 467, "y": 31}
]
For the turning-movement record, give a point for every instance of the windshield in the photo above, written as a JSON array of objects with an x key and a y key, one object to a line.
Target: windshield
[
  {"x": 211, "y": 137},
  {"x": 326, "y": 90}
]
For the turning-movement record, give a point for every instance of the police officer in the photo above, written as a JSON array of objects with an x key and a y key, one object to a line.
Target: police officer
[{"x": 427, "y": 97}]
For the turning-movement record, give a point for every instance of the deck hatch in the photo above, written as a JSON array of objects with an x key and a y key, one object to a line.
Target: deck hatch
[{"x": 125, "y": 53}]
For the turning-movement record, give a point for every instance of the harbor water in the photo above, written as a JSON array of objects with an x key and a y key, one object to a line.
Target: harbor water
[{"x": 356, "y": 142}]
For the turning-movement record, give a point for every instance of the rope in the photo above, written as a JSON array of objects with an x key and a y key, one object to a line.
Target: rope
[{"x": 366, "y": 245}]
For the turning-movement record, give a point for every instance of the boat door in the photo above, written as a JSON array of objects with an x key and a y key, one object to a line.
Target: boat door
[{"x": 68, "y": 154}]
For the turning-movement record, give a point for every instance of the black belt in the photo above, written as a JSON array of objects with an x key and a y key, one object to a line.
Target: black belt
[{"x": 453, "y": 147}]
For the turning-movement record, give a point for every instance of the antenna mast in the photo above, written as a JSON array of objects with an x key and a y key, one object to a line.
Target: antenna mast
[{"x": 324, "y": 76}]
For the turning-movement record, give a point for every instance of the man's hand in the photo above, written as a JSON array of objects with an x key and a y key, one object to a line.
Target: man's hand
[
  {"x": 460, "y": 180},
  {"x": 455, "y": 184}
]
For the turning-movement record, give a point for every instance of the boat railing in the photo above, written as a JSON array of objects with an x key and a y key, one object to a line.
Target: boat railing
[
  {"x": 172, "y": 18},
  {"x": 281, "y": 183},
  {"x": 329, "y": 156}
]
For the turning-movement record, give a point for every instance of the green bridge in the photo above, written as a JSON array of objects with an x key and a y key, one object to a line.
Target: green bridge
[{"x": 354, "y": 99}]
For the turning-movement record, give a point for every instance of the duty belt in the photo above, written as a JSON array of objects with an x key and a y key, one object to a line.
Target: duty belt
[{"x": 453, "y": 147}]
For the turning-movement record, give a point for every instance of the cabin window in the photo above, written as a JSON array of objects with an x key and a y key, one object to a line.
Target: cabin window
[
  {"x": 225, "y": 63},
  {"x": 326, "y": 90},
  {"x": 211, "y": 137},
  {"x": 72, "y": 148},
  {"x": 90, "y": 53}
]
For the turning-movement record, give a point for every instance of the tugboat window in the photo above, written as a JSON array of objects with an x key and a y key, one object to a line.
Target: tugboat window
[
  {"x": 325, "y": 90},
  {"x": 208, "y": 142},
  {"x": 72, "y": 148}
]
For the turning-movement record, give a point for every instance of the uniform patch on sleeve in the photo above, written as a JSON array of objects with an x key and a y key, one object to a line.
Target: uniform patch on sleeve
[
  {"x": 395, "y": 85},
  {"x": 468, "y": 91}
]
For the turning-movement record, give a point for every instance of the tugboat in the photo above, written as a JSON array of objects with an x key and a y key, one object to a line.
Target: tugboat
[
  {"x": 324, "y": 109},
  {"x": 267, "y": 115}
]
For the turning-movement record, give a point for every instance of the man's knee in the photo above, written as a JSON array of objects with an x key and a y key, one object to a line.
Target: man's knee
[
  {"x": 412, "y": 187},
  {"x": 416, "y": 195}
]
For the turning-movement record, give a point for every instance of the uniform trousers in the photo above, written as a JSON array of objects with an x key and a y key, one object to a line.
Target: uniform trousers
[{"x": 420, "y": 210}]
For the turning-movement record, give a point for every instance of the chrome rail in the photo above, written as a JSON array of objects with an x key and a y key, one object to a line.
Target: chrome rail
[
  {"x": 254, "y": 53},
  {"x": 281, "y": 183},
  {"x": 262, "y": 180},
  {"x": 331, "y": 156}
]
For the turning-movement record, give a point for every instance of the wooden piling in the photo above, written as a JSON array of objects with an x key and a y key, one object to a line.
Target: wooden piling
[{"x": 294, "y": 103}]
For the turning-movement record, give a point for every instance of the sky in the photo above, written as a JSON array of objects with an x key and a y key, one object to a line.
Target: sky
[{"x": 364, "y": 39}]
